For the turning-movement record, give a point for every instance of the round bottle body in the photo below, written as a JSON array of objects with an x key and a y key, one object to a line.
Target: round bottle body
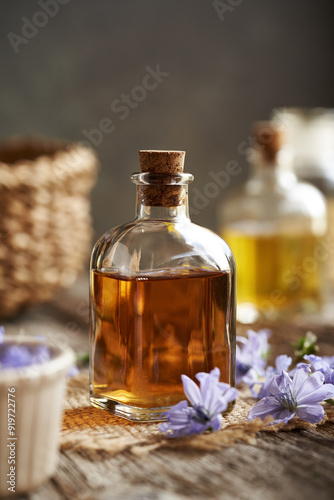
[
  {"x": 310, "y": 135},
  {"x": 275, "y": 227}
]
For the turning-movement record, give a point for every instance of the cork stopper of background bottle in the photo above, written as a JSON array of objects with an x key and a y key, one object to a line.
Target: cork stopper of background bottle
[
  {"x": 165, "y": 163},
  {"x": 269, "y": 140}
]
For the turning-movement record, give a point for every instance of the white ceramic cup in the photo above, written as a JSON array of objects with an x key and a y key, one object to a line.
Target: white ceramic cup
[{"x": 29, "y": 443}]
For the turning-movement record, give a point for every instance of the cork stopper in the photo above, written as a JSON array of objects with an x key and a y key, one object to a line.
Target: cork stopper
[
  {"x": 269, "y": 139},
  {"x": 161, "y": 162},
  {"x": 165, "y": 164}
]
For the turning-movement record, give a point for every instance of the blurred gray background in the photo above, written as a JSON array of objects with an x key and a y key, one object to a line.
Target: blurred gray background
[{"x": 228, "y": 63}]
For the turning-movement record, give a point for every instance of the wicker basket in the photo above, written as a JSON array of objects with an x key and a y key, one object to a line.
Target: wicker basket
[{"x": 45, "y": 222}]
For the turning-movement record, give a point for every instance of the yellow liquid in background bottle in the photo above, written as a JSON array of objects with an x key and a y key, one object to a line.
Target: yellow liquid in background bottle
[
  {"x": 330, "y": 208},
  {"x": 277, "y": 272}
]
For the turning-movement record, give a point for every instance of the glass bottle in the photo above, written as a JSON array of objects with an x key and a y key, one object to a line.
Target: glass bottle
[
  {"x": 275, "y": 227},
  {"x": 162, "y": 296},
  {"x": 310, "y": 134}
]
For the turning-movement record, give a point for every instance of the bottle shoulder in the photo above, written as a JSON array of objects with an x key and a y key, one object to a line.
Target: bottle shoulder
[
  {"x": 277, "y": 187},
  {"x": 154, "y": 245},
  {"x": 298, "y": 201}
]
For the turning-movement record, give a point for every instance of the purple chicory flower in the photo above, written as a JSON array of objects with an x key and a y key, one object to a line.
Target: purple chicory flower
[
  {"x": 208, "y": 402},
  {"x": 251, "y": 356},
  {"x": 18, "y": 355},
  {"x": 40, "y": 354},
  {"x": 324, "y": 364},
  {"x": 74, "y": 370},
  {"x": 299, "y": 365},
  {"x": 261, "y": 389},
  {"x": 298, "y": 396},
  {"x": 15, "y": 356}
]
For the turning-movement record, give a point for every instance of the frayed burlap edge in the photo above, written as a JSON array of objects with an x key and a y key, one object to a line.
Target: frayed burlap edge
[{"x": 93, "y": 430}]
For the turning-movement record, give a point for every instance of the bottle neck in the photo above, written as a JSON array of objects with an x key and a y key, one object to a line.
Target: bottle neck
[
  {"x": 271, "y": 171},
  {"x": 162, "y": 196},
  {"x": 144, "y": 210}
]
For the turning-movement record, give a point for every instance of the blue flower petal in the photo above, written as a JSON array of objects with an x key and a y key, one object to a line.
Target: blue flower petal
[
  {"x": 311, "y": 413},
  {"x": 223, "y": 386},
  {"x": 231, "y": 394},
  {"x": 208, "y": 401},
  {"x": 216, "y": 422},
  {"x": 304, "y": 386},
  {"x": 164, "y": 427},
  {"x": 191, "y": 390},
  {"x": 16, "y": 356},
  {"x": 316, "y": 361},
  {"x": 282, "y": 363},
  {"x": 279, "y": 383},
  {"x": 325, "y": 391},
  {"x": 267, "y": 406},
  {"x": 210, "y": 395},
  {"x": 214, "y": 376}
]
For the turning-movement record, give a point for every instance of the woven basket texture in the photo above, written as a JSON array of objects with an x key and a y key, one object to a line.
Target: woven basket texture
[{"x": 45, "y": 218}]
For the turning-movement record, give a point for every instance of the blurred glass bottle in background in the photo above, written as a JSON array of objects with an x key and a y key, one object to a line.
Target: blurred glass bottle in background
[
  {"x": 275, "y": 225},
  {"x": 310, "y": 135}
]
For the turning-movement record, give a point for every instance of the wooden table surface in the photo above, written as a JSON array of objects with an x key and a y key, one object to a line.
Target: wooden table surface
[{"x": 287, "y": 465}]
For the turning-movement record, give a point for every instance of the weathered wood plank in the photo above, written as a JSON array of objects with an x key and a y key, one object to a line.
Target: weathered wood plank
[{"x": 294, "y": 465}]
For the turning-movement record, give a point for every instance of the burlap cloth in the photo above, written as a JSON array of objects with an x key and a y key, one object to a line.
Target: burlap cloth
[{"x": 95, "y": 430}]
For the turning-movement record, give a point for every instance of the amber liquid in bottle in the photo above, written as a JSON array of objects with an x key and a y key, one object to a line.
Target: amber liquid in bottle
[{"x": 148, "y": 330}]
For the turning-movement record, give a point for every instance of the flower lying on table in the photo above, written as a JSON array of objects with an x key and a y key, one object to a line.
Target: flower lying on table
[
  {"x": 279, "y": 391},
  {"x": 324, "y": 364},
  {"x": 208, "y": 403},
  {"x": 251, "y": 356},
  {"x": 298, "y": 396},
  {"x": 282, "y": 395},
  {"x": 261, "y": 389}
]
